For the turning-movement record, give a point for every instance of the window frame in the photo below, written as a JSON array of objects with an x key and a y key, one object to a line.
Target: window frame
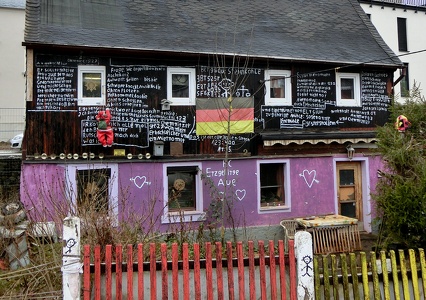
[
  {"x": 198, "y": 213},
  {"x": 72, "y": 184},
  {"x": 356, "y": 101},
  {"x": 402, "y": 34},
  {"x": 91, "y": 101},
  {"x": 180, "y": 101},
  {"x": 286, "y": 184},
  {"x": 287, "y": 100}
]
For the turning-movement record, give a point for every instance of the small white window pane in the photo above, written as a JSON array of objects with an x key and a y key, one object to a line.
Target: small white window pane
[
  {"x": 180, "y": 85},
  {"x": 92, "y": 83},
  {"x": 347, "y": 88}
]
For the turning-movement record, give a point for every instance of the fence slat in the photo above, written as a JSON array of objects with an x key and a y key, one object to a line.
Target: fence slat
[
  {"x": 108, "y": 272},
  {"x": 376, "y": 287},
  {"x": 240, "y": 259},
  {"x": 293, "y": 274},
  {"x": 386, "y": 285},
  {"x": 354, "y": 273},
  {"x": 262, "y": 269},
  {"x": 327, "y": 294},
  {"x": 209, "y": 271},
  {"x": 86, "y": 275},
  {"x": 272, "y": 270},
  {"x": 175, "y": 271},
  {"x": 219, "y": 271},
  {"x": 252, "y": 283},
  {"x": 230, "y": 270},
  {"x": 395, "y": 277},
  {"x": 335, "y": 277},
  {"x": 185, "y": 258},
  {"x": 283, "y": 284},
  {"x": 364, "y": 271},
  {"x": 345, "y": 279},
  {"x": 414, "y": 277},
  {"x": 140, "y": 273},
  {"x": 197, "y": 284},
  {"x": 153, "y": 270},
  {"x": 97, "y": 272},
  {"x": 423, "y": 269},
  {"x": 164, "y": 279},
  {"x": 118, "y": 271},
  {"x": 129, "y": 272},
  {"x": 404, "y": 276}
]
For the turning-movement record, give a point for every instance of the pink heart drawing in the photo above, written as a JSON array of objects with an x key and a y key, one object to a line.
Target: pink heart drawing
[{"x": 240, "y": 194}]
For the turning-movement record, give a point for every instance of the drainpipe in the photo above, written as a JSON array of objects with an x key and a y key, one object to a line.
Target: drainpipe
[{"x": 402, "y": 74}]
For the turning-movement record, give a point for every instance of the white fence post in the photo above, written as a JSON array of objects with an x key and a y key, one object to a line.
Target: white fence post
[
  {"x": 304, "y": 265},
  {"x": 71, "y": 264}
]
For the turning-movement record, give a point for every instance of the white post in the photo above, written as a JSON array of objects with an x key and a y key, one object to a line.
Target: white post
[
  {"x": 71, "y": 265},
  {"x": 304, "y": 265}
]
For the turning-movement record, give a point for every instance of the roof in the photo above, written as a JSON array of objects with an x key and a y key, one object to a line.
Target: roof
[{"x": 316, "y": 30}]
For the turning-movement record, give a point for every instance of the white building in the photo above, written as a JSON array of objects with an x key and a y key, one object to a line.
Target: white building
[
  {"x": 401, "y": 24},
  {"x": 12, "y": 68}
]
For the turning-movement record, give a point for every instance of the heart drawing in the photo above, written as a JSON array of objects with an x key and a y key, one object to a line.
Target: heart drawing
[
  {"x": 140, "y": 181},
  {"x": 310, "y": 177},
  {"x": 240, "y": 194}
]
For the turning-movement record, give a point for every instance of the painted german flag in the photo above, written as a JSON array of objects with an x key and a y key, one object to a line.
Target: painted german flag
[{"x": 213, "y": 114}]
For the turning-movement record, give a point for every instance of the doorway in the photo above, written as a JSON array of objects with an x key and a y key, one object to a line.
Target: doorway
[{"x": 349, "y": 190}]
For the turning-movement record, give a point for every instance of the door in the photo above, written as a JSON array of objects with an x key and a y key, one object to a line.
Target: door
[{"x": 349, "y": 190}]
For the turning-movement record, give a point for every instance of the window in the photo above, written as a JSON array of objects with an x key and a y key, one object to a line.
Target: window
[
  {"x": 348, "y": 89},
  {"x": 273, "y": 185},
  {"x": 182, "y": 193},
  {"x": 181, "y": 86},
  {"x": 402, "y": 34},
  {"x": 278, "y": 87},
  {"x": 91, "y": 85},
  {"x": 94, "y": 186},
  {"x": 404, "y": 83}
]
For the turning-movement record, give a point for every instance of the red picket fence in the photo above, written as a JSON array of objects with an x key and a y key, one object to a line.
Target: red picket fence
[{"x": 164, "y": 275}]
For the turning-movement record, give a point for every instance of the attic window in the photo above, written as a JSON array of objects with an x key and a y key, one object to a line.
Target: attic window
[
  {"x": 91, "y": 85},
  {"x": 348, "y": 89},
  {"x": 181, "y": 86},
  {"x": 278, "y": 87}
]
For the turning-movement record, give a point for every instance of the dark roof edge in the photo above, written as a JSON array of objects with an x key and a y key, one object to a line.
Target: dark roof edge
[
  {"x": 36, "y": 45},
  {"x": 317, "y": 135}
]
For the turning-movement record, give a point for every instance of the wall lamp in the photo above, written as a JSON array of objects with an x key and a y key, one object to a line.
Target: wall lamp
[{"x": 351, "y": 151}]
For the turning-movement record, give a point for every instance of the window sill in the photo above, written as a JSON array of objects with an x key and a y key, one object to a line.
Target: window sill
[
  {"x": 265, "y": 209},
  {"x": 184, "y": 216}
]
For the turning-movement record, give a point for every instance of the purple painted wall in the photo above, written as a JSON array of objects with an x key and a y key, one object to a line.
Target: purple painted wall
[{"x": 140, "y": 189}]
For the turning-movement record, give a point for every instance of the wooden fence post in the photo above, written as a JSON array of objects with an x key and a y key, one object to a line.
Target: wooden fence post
[
  {"x": 305, "y": 265},
  {"x": 71, "y": 264}
]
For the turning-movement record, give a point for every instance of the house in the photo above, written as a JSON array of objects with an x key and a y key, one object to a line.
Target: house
[
  {"x": 398, "y": 22},
  {"x": 12, "y": 69},
  {"x": 270, "y": 105}
]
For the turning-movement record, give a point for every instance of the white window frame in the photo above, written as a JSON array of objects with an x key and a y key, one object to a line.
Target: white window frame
[
  {"x": 184, "y": 215},
  {"x": 278, "y": 101},
  {"x": 92, "y": 101},
  {"x": 357, "y": 89},
  {"x": 287, "y": 186},
  {"x": 72, "y": 188},
  {"x": 192, "y": 86}
]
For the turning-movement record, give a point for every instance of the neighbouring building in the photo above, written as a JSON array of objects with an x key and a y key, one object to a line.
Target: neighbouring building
[
  {"x": 399, "y": 22},
  {"x": 12, "y": 68},
  {"x": 272, "y": 105}
]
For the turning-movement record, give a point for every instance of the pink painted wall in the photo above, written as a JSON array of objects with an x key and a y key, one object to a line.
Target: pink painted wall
[{"x": 140, "y": 191}]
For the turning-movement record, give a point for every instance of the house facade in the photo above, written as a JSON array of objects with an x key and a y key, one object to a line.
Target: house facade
[
  {"x": 267, "y": 115},
  {"x": 398, "y": 22}
]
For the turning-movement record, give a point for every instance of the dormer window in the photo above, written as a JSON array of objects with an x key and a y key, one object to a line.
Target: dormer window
[
  {"x": 278, "y": 87},
  {"x": 181, "y": 86},
  {"x": 348, "y": 89}
]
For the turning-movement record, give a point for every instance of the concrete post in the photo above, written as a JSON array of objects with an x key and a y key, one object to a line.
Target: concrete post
[
  {"x": 71, "y": 264},
  {"x": 305, "y": 265}
]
